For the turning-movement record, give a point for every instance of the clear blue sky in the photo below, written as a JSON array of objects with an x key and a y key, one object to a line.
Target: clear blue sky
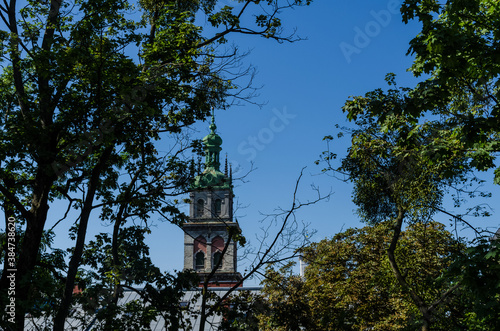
[{"x": 350, "y": 47}]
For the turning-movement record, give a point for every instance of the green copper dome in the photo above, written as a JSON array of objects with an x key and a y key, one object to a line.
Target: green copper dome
[
  {"x": 212, "y": 177},
  {"x": 213, "y": 139}
]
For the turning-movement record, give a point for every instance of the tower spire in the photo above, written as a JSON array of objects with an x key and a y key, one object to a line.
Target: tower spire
[
  {"x": 212, "y": 126},
  {"x": 212, "y": 175},
  {"x": 212, "y": 146},
  {"x": 225, "y": 166}
]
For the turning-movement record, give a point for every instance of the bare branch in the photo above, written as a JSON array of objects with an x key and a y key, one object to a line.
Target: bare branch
[{"x": 268, "y": 256}]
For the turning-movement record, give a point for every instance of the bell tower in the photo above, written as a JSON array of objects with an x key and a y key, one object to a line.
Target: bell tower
[{"x": 209, "y": 233}]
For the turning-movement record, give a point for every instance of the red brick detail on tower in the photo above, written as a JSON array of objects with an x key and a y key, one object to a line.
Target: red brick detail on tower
[{"x": 200, "y": 244}]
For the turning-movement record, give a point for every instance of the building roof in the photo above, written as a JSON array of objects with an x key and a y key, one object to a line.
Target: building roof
[{"x": 80, "y": 320}]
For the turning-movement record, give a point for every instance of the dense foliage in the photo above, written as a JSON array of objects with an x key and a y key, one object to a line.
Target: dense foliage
[
  {"x": 458, "y": 48},
  {"x": 349, "y": 284}
]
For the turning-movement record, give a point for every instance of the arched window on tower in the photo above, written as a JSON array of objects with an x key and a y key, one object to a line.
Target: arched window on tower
[
  {"x": 199, "y": 261},
  {"x": 200, "y": 207},
  {"x": 218, "y": 207},
  {"x": 199, "y": 252},
  {"x": 217, "y": 247},
  {"x": 217, "y": 258}
]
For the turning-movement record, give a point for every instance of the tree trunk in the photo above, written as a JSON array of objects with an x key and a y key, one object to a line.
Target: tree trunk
[
  {"x": 74, "y": 263},
  {"x": 417, "y": 300}
]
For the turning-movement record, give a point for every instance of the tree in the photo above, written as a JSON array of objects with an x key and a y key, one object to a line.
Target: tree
[
  {"x": 103, "y": 283},
  {"x": 285, "y": 301},
  {"x": 349, "y": 285},
  {"x": 478, "y": 269},
  {"x": 88, "y": 89},
  {"x": 396, "y": 175},
  {"x": 457, "y": 47},
  {"x": 412, "y": 145}
]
